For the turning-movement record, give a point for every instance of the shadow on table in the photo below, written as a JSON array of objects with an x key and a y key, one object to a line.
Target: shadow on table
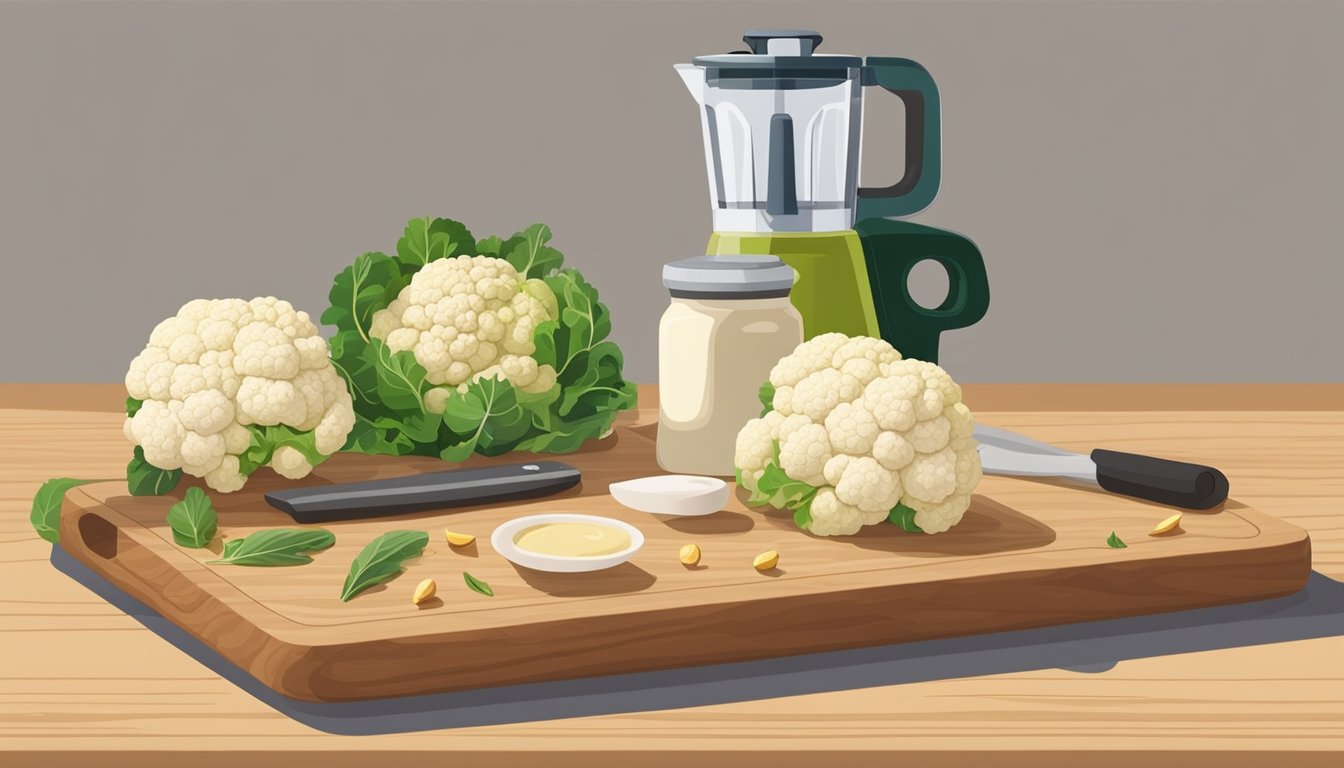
[{"x": 1316, "y": 611}]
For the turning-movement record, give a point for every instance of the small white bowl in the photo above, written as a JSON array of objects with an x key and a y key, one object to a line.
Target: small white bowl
[
  {"x": 680, "y": 495},
  {"x": 502, "y": 541}
]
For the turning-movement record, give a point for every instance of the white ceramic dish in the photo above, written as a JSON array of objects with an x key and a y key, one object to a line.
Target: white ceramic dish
[
  {"x": 681, "y": 495},
  {"x": 502, "y": 541}
]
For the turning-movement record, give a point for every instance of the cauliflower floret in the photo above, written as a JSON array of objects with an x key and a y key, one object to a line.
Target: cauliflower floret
[
  {"x": 168, "y": 331},
  {"x": 807, "y": 358},
  {"x": 137, "y": 384},
  {"x": 852, "y": 428},
  {"x": 546, "y": 378},
  {"x": 892, "y": 451},
  {"x": 960, "y": 423},
  {"x": 218, "y": 335},
  {"x": 201, "y": 453},
  {"x": 869, "y": 486},
  {"x": 226, "y": 478},
  {"x": 833, "y": 517},
  {"x": 754, "y": 446},
  {"x": 868, "y": 430},
  {"x": 891, "y": 401},
  {"x": 930, "y": 436},
  {"x": 383, "y": 323},
  {"x": 936, "y": 518},
  {"x": 220, "y": 366},
  {"x": 269, "y": 402},
  {"x": 436, "y": 399},
  {"x": 804, "y": 455},
  {"x": 289, "y": 462},
  {"x": 875, "y": 351},
  {"x": 470, "y": 317},
  {"x": 312, "y": 388},
  {"x": 931, "y": 477},
  {"x": 206, "y": 412},
  {"x": 782, "y": 427},
  {"x": 336, "y": 424},
  {"x": 816, "y": 395},
  {"x": 217, "y": 369},
  {"x": 835, "y": 468},
  {"x": 264, "y": 350},
  {"x": 774, "y": 419},
  {"x": 158, "y": 432},
  {"x": 236, "y": 438},
  {"x": 312, "y": 352}
]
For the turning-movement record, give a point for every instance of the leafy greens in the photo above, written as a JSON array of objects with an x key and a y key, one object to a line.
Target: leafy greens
[
  {"x": 276, "y": 547},
  {"x": 193, "y": 520},
  {"x": 381, "y": 560}
]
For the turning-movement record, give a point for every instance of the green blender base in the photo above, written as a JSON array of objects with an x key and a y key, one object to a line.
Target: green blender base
[{"x": 832, "y": 291}]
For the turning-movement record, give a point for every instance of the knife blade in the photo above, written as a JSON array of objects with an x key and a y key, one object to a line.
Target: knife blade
[
  {"x": 431, "y": 490},
  {"x": 1177, "y": 483}
]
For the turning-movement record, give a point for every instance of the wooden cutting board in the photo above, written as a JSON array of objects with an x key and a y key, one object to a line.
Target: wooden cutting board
[{"x": 1026, "y": 554}]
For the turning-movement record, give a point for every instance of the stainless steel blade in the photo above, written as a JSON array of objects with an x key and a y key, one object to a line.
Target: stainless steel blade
[
  {"x": 1012, "y": 441},
  {"x": 995, "y": 460}
]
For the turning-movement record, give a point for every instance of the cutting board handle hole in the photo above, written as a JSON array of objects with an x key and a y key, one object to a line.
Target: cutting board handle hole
[{"x": 99, "y": 536}]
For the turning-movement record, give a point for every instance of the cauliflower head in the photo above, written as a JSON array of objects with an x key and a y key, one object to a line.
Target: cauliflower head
[
  {"x": 854, "y": 435},
  {"x": 227, "y": 385},
  {"x": 453, "y": 345},
  {"x": 466, "y": 318}
]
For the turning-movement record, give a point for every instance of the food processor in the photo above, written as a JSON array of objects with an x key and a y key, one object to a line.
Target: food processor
[{"x": 782, "y": 133}]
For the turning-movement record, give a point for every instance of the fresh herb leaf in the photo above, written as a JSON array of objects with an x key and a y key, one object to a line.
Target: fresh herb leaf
[
  {"x": 1114, "y": 542},
  {"x": 193, "y": 519},
  {"x": 766, "y": 394},
  {"x": 277, "y": 547},
  {"x": 476, "y": 585},
  {"x": 46, "y": 514},
  {"x": 145, "y": 479},
  {"x": 133, "y": 406},
  {"x": 904, "y": 517},
  {"x": 381, "y": 560}
]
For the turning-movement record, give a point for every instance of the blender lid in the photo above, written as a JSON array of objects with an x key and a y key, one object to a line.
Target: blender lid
[
  {"x": 780, "y": 49},
  {"x": 726, "y": 277}
]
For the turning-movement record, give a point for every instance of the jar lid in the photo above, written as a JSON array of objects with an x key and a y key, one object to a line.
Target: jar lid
[{"x": 728, "y": 277}]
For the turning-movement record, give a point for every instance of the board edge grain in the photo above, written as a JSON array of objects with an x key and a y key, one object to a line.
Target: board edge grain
[{"x": 652, "y": 640}]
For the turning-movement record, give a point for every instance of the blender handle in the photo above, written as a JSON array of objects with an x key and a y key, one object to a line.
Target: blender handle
[
  {"x": 891, "y": 249},
  {"x": 923, "y": 141}
]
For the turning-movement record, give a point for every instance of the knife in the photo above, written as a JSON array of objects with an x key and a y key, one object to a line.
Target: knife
[
  {"x": 1192, "y": 486},
  {"x": 431, "y": 490}
]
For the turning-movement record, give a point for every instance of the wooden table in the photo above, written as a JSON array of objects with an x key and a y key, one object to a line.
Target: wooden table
[{"x": 83, "y": 684}]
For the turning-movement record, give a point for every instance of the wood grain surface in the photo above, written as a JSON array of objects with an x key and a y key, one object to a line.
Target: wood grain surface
[
  {"x": 81, "y": 683},
  {"x": 1026, "y": 554}
]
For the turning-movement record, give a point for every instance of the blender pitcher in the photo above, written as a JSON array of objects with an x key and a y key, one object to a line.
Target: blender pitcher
[{"x": 781, "y": 127}]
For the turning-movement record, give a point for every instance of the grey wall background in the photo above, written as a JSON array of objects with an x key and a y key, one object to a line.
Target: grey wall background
[{"x": 1157, "y": 187}]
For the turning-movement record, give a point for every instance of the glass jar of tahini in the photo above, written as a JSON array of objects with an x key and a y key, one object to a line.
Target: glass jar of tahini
[{"x": 729, "y": 322}]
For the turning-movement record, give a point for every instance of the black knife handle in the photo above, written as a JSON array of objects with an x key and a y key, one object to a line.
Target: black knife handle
[
  {"x": 432, "y": 490},
  {"x": 1191, "y": 486}
]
